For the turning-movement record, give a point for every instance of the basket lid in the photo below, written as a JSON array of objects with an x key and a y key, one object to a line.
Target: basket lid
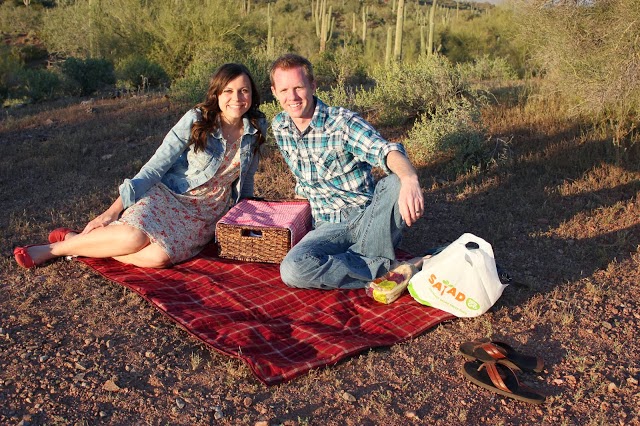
[{"x": 294, "y": 215}]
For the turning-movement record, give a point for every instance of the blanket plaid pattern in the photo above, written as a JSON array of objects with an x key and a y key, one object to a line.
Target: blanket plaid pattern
[{"x": 245, "y": 311}]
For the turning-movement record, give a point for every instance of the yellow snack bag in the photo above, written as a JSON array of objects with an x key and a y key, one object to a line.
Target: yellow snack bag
[{"x": 390, "y": 286}]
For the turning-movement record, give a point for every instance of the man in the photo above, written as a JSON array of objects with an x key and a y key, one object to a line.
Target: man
[{"x": 331, "y": 152}]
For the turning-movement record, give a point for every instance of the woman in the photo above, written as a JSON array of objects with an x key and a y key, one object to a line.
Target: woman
[{"x": 205, "y": 164}]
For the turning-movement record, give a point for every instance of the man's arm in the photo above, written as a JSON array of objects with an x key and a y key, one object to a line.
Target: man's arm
[{"x": 411, "y": 200}]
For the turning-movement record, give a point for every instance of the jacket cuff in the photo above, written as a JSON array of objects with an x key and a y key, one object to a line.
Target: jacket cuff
[{"x": 127, "y": 193}]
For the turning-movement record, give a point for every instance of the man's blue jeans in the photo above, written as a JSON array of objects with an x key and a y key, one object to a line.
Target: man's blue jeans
[{"x": 350, "y": 253}]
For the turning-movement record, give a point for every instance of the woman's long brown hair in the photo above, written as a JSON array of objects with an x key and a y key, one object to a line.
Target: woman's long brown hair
[{"x": 211, "y": 110}]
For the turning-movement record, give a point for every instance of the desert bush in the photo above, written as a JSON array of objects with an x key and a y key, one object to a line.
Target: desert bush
[
  {"x": 452, "y": 131},
  {"x": 588, "y": 53},
  {"x": 406, "y": 90},
  {"x": 138, "y": 72},
  {"x": 171, "y": 34},
  {"x": 38, "y": 84},
  {"x": 270, "y": 109},
  {"x": 192, "y": 87},
  {"x": 89, "y": 74},
  {"x": 486, "y": 68},
  {"x": 10, "y": 67},
  {"x": 97, "y": 29},
  {"x": 19, "y": 19},
  {"x": 343, "y": 65},
  {"x": 476, "y": 36},
  {"x": 340, "y": 95}
]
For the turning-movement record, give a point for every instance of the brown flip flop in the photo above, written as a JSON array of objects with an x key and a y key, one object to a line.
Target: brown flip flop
[
  {"x": 486, "y": 350},
  {"x": 501, "y": 379}
]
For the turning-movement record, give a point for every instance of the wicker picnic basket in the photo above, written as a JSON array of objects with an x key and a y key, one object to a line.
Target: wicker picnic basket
[{"x": 261, "y": 230}]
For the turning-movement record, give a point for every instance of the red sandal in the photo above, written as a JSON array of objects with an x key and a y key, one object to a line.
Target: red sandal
[
  {"x": 22, "y": 257},
  {"x": 59, "y": 234}
]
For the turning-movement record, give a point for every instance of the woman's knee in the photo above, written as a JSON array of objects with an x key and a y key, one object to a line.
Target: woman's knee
[{"x": 134, "y": 239}]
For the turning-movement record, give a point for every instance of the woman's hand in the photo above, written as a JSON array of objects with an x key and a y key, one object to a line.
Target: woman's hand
[{"x": 109, "y": 215}]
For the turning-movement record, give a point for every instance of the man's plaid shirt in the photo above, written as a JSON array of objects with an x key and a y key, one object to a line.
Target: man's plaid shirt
[{"x": 333, "y": 158}]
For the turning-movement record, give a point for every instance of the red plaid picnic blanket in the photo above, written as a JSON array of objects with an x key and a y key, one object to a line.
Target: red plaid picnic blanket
[{"x": 244, "y": 310}]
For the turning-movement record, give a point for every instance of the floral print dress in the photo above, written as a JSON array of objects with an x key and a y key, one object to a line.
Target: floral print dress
[{"x": 182, "y": 224}]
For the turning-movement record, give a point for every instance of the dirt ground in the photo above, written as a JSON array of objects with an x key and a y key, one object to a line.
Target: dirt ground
[{"x": 561, "y": 209}]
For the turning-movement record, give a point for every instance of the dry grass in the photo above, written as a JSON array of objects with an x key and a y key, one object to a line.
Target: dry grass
[{"x": 563, "y": 217}]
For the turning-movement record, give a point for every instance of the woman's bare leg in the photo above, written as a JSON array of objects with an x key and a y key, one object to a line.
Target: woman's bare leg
[
  {"x": 152, "y": 256},
  {"x": 110, "y": 241}
]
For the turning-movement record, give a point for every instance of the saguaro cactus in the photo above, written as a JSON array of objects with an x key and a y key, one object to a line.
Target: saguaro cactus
[
  {"x": 397, "y": 51},
  {"x": 324, "y": 22},
  {"x": 432, "y": 24},
  {"x": 270, "y": 38},
  {"x": 365, "y": 11},
  {"x": 387, "y": 53}
]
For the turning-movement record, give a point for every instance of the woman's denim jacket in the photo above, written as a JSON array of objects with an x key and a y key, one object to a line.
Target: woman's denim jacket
[{"x": 177, "y": 165}]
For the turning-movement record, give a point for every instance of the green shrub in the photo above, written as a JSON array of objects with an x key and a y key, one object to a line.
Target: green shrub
[
  {"x": 486, "y": 68},
  {"x": 271, "y": 109},
  {"x": 339, "y": 95},
  {"x": 192, "y": 87},
  {"x": 137, "y": 72},
  {"x": 18, "y": 19},
  {"x": 589, "y": 58},
  {"x": 343, "y": 65},
  {"x": 89, "y": 74},
  {"x": 9, "y": 71},
  {"x": 39, "y": 84},
  {"x": 404, "y": 91},
  {"x": 452, "y": 131}
]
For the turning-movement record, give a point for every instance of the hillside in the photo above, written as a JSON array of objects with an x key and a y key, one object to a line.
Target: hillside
[{"x": 562, "y": 213}]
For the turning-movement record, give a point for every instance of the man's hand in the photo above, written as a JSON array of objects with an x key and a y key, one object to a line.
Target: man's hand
[{"x": 410, "y": 200}]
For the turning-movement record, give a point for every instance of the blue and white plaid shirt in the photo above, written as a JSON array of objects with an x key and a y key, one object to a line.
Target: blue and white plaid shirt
[{"x": 333, "y": 158}]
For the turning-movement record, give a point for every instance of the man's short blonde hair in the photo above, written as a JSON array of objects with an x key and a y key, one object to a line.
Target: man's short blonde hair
[{"x": 292, "y": 60}]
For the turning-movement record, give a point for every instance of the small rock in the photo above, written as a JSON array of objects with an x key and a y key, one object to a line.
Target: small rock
[
  {"x": 612, "y": 387},
  {"x": 109, "y": 344},
  {"x": 180, "y": 403},
  {"x": 43, "y": 358},
  {"x": 218, "y": 414},
  {"x": 261, "y": 423},
  {"x": 247, "y": 401},
  {"x": 411, "y": 415},
  {"x": 103, "y": 414},
  {"x": 632, "y": 381},
  {"x": 348, "y": 397},
  {"x": 106, "y": 156},
  {"x": 607, "y": 325},
  {"x": 81, "y": 366},
  {"x": 557, "y": 381},
  {"x": 110, "y": 386}
]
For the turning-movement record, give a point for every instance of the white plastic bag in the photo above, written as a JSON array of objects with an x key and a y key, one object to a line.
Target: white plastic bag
[{"x": 462, "y": 279}]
